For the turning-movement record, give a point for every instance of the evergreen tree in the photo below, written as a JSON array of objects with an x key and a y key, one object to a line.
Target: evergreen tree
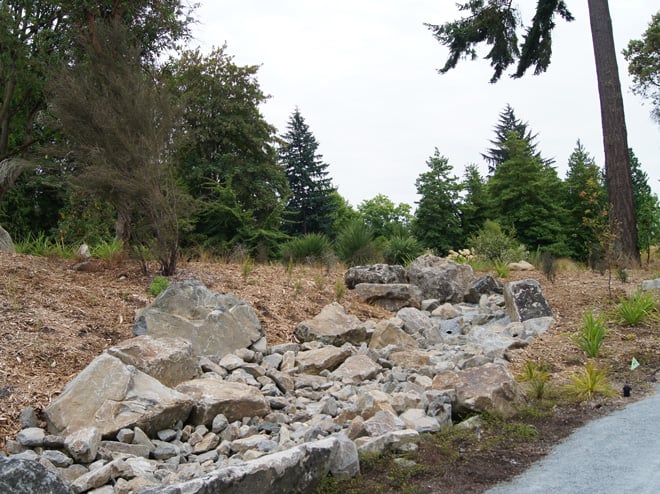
[
  {"x": 523, "y": 193},
  {"x": 475, "y": 207},
  {"x": 647, "y": 207},
  {"x": 437, "y": 222},
  {"x": 585, "y": 200},
  {"x": 310, "y": 206},
  {"x": 508, "y": 122}
]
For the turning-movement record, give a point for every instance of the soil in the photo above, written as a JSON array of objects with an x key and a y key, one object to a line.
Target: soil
[{"x": 54, "y": 320}]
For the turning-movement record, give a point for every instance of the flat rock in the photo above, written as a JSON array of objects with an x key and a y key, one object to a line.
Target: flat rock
[
  {"x": 333, "y": 326},
  {"x": 390, "y": 297}
]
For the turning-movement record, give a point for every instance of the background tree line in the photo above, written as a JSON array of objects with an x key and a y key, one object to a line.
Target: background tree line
[{"x": 111, "y": 129}]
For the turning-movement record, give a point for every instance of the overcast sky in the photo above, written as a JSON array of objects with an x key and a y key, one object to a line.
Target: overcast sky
[{"x": 364, "y": 75}]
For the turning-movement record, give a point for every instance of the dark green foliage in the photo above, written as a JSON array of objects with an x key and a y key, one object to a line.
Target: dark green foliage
[
  {"x": 643, "y": 56},
  {"x": 310, "y": 205},
  {"x": 312, "y": 248},
  {"x": 647, "y": 207},
  {"x": 402, "y": 249},
  {"x": 356, "y": 245},
  {"x": 437, "y": 222},
  {"x": 474, "y": 207},
  {"x": 523, "y": 193}
]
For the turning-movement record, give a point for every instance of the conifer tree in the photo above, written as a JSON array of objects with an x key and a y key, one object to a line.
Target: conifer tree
[
  {"x": 475, "y": 207},
  {"x": 647, "y": 207},
  {"x": 311, "y": 205}
]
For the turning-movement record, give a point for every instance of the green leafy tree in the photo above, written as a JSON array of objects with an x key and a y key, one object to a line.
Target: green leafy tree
[
  {"x": 585, "y": 201},
  {"x": 523, "y": 193},
  {"x": 508, "y": 122},
  {"x": 310, "y": 205},
  {"x": 343, "y": 214},
  {"x": 646, "y": 206},
  {"x": 437, "y": 222},
  {"x": 497, "y": 24},
  {"x": 474, "y": 206},
  {"x": 384, "y": 217},
  {"x": 643, "y": 57},
  {"x": 226, "y": 149}
]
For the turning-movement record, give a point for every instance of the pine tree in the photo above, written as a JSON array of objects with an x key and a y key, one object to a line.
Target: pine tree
[
  {"x": 647, "y": 207},
  {"x": 474, "y": 209},
  {"x": 508, "y": 122},
  {"x": 311, "y": 205},
  {"x": 437, "y": 222}
]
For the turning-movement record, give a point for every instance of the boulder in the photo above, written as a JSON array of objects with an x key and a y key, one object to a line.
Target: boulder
[
  {"x": 390, "y": 297},
  {"x": 440, "y": 278},
  {"x": 484, "y": 285},
  {"x": 479, "y": 389},
  {"x": 320, "y": 359},
  {"x": 524, "y": 300},
  {"x": 19, "y": 476},
  {"x": 521, "y": 266},
  {"x": 111, "y": 395},
  {"x": 333, "y": 326},
  {"x": 388, "y": 333},
  {"x": 6, "y": 243},
  {"x": 215, "y": 324},
  {"x": 170, "y": 360},
  {"x": 214, "y": 397},
  {"x": 651, "y": 284},
  {"x": 356, "y": 369},
  {"x": 375, "y": 273},
  {"x": 414, "y": 320}
]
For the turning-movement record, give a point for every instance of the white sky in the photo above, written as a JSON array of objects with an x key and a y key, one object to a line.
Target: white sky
[{"x": 364, "y": 75}]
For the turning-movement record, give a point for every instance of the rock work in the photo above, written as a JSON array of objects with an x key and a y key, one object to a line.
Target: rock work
[
  {"x": 6, "y": 243},
  {"x": 161, "y": 413}
]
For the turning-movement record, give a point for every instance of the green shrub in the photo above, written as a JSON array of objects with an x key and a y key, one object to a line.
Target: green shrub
[
  {"x": 402, "y": 249},
  {"x": 108, "y": 250},
  {"x": 636, "y": 308},
  {"x": 158, "y": 284},
  {"x": 590, "y": 382},
  {"x": 502, "y": 269},
  {"x": 592, "y": 333},
  {"x": 312, "y": 248},
  {"x": 355, "y": 245},
  {"x": 495, "y": 245},
  {"x": 43, "y": 246}
]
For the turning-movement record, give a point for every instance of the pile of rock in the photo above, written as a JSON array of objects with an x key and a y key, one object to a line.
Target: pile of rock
[{"x": 198, "y": 402}]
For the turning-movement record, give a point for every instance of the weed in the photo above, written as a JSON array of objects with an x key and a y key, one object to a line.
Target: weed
[
  {"x": 340, "y": 290},
  {"x": 590, "y": 382},
  {"x": 247, "y": 268},
  {"x": 536, "y": 377},
  {"x": 636, "y": 308},
  {"x": 592, "y": 333},
  {"x": 319, "y": 281},
  {"x": 158, "y": 284},
  {"x": 297, "y": 288}
]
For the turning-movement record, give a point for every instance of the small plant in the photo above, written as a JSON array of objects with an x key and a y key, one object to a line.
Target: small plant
[
  {"x": 340, "y": 290},
  {"x": 355, "y": 244},
  {"x": 536, "y": 377},
  {"x": 636, "y": 308},
  {"x": 402, "y": 249},
  {"x": 108, "y": 250},
  {"x": 502, "y": 269},
  {"x": 592, "y": 333},
  {"x": 158, "y": 284},
  {"x": 319, "y": 281},
  {"x": 247, "y": 268},
  {"x": 297, "y": 288},
  {"x": 589, "y": 383},
  {"x": 493, "y": 244},
  {"x": 312, "y": 248}
]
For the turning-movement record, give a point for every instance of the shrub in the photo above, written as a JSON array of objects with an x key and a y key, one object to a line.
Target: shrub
[
  {"x": 355, "y": 245},
  {"x": 592, "y": 333},
  {"x": 590, "y": 382},
  {"x": 636, "y": 308},
  {"x": 310, "y": 248},
  {"x": 495, "y": 245},
  {"x": 402, "y": 249},
  {"x": 109, "y": 250},
  {"x": 158, "y": 284}
]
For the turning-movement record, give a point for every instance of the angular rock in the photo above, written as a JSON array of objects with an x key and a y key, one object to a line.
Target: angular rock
[
  {"x": 170, "y": 360},
  {"x": 409, "y": 359},
  {"x": 388, "y": 333},
  {"x": 111, "y": 395},
  {"x": 333, "y": 326},
  {"x": 390, "y": 297},
  {"x": 402, "y": 440},
  {"x": 484, "y": 285},
  {"x": 440, "y": 278},
  {"x": 524, "y": 300},
  {"x": 83, "y": 444},
  {"x": 414, "y": 320},
  {"x": 375, "y": 273},
  {"x": 215, "y": 324},
  {"x": 19, "y": 476},
  {"x": 324, "y": 358},
  {"x": 356, "y": 369},
  {"x": 213, "y": 397},
  {"x": 6, "y": 244}
]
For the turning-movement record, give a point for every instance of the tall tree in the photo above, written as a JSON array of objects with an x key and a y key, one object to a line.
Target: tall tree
[
  {"x": 508, "y": 122},
  {"x": 643, "y": 56},
  {"x": 647, "y": 208},
  {"x": 496, "y": 23},
  {"x": 437, "y": 222},
  {"x": 523, "y": 194},
  {"x": 384, "y": 217},
  {"x": 474, "y": 207},
  {"x": 311, "y": 204}
]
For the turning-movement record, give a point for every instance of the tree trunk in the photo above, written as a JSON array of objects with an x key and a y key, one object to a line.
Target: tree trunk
[
  {"x": 618, "y": 176},
  {"x": 123, "y": 226}
]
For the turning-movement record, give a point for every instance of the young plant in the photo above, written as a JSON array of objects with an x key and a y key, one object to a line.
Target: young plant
[
  {"x": 592, "y": 333},
  {"x": 636, "y": 308},
  {"x": 502, "y": 269},
  {"x": 158, "y": 284},
  {"x": 536, "y": 377},
  {"x": 247, "y": 268},
  {"x": 340, "y": 290},
  {"x": 590, "y": 382}
]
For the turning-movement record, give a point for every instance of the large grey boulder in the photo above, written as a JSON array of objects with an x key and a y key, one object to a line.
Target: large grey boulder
[
  {"x": 390, "y": 297},
  {"x": 479, "y": 389},
  {"x": 6, "y": 243},
  {"x": 170, "y": 360},
  {"x": 110, "y": 396},
  {"x": 440, "y": 278},
  {"x": 333, "y": 326},
  {"x": 375, "y": 273},
  {"x": 214, "y": 397},
  {"x": 524, "y": 300},
  {"x": 19, "y": 476},
  {"x": 215, "y": 324}
]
